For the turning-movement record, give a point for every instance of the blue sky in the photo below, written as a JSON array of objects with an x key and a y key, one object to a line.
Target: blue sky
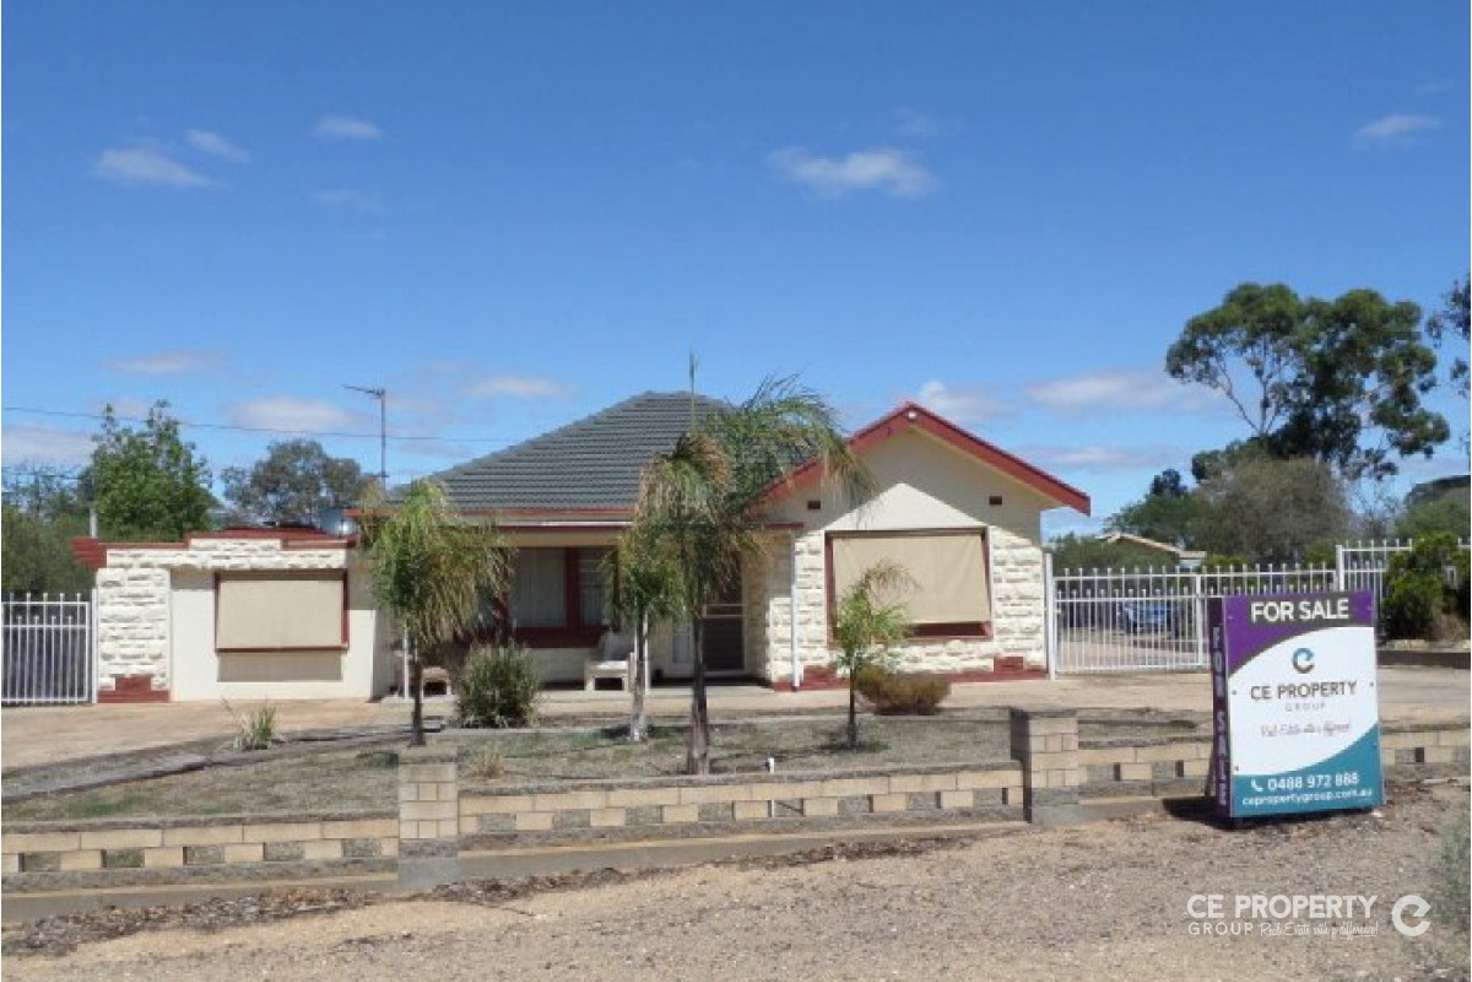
[{"x": 512, "y": 215}]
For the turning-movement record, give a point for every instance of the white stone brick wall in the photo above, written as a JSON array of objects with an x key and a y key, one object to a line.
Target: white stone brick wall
[{"x": 133, "y": 595}]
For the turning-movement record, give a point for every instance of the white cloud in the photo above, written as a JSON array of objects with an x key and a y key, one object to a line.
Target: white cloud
[
  {"x": 1396, "y": 125},
  {"x": 920, "y": 125},
  {"x": 336, "y": 127},
  {"x": 355, "y": 199},
  {"x": 1097, "y": 458},
  {"x": 1118, "y": 390},
  {"x": 289, "y": 413},
  {"x": 963, "y": 405},
  {"x": 518, "y": 387},
  {"x": 147, "y": 165},
  {"x": 165, "y": 363},
  {"x": 207, "y": 141},
  {"x": 895, "y": 172},
  {"x": 44, "y": 445}
]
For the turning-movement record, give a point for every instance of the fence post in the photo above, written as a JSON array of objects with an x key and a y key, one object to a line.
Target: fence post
[
  {"x": 1198, "y": 612},
  {"x": 1339, "y": 567},
  {"x": 1050, "y": 616},
  {"x": 94, "y": 650}
]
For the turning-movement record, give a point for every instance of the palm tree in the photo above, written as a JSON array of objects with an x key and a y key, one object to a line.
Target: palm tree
[
  {"x": 699, "y": 503},
  {"x": 866, "y": 626},
  {"x": 643, "y": 585},
  {"x": 432, "y": 571}
]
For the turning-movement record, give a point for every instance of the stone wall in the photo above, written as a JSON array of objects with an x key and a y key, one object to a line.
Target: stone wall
[
  {"x": 1018, "y": 611},
  {"x": 133, "y": 594}
]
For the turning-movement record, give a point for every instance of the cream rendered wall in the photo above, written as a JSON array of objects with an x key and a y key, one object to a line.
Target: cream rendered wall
[
  {"x": 921, "y": 482},
  {"x": 362, "y": 671},
  {"x": 155, "y": 616}
]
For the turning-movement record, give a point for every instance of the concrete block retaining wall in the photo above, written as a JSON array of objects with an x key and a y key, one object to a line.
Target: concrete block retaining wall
[
  {"x": 438, "y": 816},
  {"x": 117, "y": 851}
]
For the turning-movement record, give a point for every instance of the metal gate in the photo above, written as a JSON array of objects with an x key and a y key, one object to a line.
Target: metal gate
[
  {"x": 49, "y": 650},
  {"x": 1143, "y": 620}
]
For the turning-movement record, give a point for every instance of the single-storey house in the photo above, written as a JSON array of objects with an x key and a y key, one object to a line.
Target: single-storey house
[
  {"x": 1185, "y": 558},
  {"x": 961, "y": 515}
]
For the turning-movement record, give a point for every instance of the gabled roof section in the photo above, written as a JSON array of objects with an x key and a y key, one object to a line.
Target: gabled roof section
[
  {"x": 913, "y": 416},
  {"x": 592, "y": 465}
]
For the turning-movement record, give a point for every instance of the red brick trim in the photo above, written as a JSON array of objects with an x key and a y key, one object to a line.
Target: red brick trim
[
  {"x": 915, "y": 416},
  {"x": 133, "y": 688}
]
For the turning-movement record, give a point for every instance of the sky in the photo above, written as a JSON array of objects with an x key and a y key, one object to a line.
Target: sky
[{"x": 512, "y": 215}]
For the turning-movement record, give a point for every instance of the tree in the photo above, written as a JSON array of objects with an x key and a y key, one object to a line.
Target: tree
[
  {"x": 1169, "y": 513},
  {"x": 1318, "y": 378},
  {"x": 866, "y": 626},
  {"x": 1454, "y": 320},
  {"x": 432, "y": 571},
  {"x": 643, "y": 585},
  {"x": 294, "y": 483},
  {"x": 147, "y": 483},
  {"x": 1437, "y": 506},
  {"x": 699, "y": 500},
  {"x": 42, "y": 513},
  {"x": 1266, "y": 510}
]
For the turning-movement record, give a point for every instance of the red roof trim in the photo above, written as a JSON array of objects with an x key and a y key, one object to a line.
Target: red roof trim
[{"x": 915, "y": 416}]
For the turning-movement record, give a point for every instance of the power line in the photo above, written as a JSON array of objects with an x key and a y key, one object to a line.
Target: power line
[{"x": 265, "y": 429}]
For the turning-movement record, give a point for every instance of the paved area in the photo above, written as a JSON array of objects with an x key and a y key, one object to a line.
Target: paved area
[
  {"x": 38, "y": 735},
  {"x": 1107, "y": 901}
]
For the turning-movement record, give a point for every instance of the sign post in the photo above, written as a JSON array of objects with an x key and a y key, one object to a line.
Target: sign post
[{"x": 1295, "y": 709}]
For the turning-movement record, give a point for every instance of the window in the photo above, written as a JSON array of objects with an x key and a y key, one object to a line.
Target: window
[
  {"x": 592, "y": 605},
  {"x": 557, "y": 596},
  {"x": 281, "y": 611},
  {"x": 948, "y": 593},
  {"x": 538, "y": 591}
]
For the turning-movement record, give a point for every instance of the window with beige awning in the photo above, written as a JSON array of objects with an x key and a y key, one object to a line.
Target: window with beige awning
[
  {"x": 280, "y": 612},
  {"x": 947, "y": 574}
]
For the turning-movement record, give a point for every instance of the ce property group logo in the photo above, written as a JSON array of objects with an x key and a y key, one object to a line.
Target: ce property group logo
[{"x": 1303, "y": 915}]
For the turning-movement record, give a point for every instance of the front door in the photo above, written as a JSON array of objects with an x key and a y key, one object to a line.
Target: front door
[{"x": 722, "y": 637}]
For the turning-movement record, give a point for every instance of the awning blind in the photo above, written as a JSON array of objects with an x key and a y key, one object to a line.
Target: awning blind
[
  {"x": 279, "y": 613},
  {"x": 947, "y": 573}
]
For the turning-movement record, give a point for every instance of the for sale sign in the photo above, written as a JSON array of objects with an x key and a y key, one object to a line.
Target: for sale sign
[{"x": 1295, "y": 709}]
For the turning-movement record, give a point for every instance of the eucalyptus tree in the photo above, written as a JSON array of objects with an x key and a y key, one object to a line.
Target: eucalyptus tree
[
  {"x": 700, "y": 503},
  {"x": 432, "y": 570}
]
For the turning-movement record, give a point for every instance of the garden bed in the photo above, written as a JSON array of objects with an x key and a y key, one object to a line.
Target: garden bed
[{"x": 363, "y": 776}]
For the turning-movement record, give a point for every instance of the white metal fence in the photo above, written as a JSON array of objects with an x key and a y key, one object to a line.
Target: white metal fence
[
  {"x": 1139, "y": 620},
  {"x": 48, "y": 644}
]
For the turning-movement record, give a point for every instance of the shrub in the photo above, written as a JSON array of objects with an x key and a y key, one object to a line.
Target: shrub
[
  {"x": 1411, "y": 605},
  {"x": 902, "y": 693},
  {"x": 1425, "y": 588},
  {"x": 255, "y": 730},
  {"x": 498, "y": 688},
  {"x": 485, "y": 764}
]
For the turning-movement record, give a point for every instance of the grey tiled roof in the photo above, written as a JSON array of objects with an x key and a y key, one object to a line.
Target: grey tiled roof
[{"x": 592, "y": 463}]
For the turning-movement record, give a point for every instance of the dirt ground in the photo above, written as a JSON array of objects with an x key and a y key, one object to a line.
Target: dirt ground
[
  {"x": 1104, "y": 901},
  {"x": 295, "y": 777},
  {"x": 39, "y": 735}
]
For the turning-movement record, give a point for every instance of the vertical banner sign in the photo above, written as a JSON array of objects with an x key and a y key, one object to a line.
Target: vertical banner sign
[{"x": 1295, "y": 710}]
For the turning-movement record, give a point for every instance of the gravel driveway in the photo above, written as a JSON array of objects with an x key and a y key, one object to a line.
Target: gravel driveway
[{"x": 1101, "y": 901}]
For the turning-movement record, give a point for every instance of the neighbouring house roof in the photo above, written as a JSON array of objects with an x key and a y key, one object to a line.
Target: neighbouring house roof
[
  {"x": 591, "y": 465},
  {"x": 913, "y": 416},
  {"x": 1145, "y": 543}
]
